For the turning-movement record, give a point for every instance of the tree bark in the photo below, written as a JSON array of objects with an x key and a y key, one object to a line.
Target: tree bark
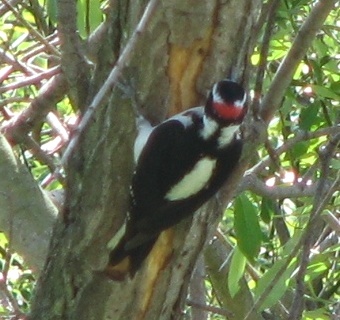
[
  {"x": 187, "y": 46},
  {"x": 27, "y": 223}
]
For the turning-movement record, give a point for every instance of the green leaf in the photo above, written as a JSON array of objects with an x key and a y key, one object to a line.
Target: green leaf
[
  {"x": 279, "y": 288},
  {"x": 236, "y": 271},
  {"x": 335, "y": 87},
  {"x": 247, "y": 227},
  {"x": 52, "y": 10},
  {"x": 267, "y": 209},
  {"x": 299, "y": 149},
  {"x": 89, "y": 16},
  {"x": 335, "y": 164},
  {"x": 325, "y": 92},
  {"x": 318, "y": 314},
  {"x": 308, "y": 116},
  {"x": 317, "y": 267}
]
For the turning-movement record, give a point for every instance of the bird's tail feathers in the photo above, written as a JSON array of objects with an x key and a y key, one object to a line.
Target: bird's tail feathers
[{"x": 126, "y": 258}]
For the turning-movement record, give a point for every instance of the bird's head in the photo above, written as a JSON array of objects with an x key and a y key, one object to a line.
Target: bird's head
[{"x": 226, "y": 102}]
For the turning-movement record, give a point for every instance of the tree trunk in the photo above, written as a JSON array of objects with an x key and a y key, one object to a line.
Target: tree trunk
[{"x": 186, "y": 47}]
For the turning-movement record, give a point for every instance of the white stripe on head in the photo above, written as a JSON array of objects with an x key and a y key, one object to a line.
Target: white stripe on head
[
  {"x": 240, "y": 103},
  {"x": 216, "y": 96}
]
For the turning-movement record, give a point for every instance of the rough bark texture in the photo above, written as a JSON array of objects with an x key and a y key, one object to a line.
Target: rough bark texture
[
  {"x": 28, "y": 224},
  {"x": 188, "y": 45}
]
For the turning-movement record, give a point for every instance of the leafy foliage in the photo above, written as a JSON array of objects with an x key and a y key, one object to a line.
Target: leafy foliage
[
  {"x": 311, "y": 104},
  {"x": 267, "y": 225}
]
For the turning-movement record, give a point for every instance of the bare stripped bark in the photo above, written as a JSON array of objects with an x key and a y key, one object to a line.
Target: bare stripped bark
[{"x": 185, "y": 48}]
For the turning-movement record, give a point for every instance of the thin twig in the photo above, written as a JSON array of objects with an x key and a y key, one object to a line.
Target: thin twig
[
  {"x": 300, "y": 136},
  {"x": 57, "y": 127},
  {"x": 293, "y": 252},
  {"x": 14, "y": 304},
  {"x": 297, "y": 306},
  {"x": 50, "y": 93},
  {"x": 253, "y": 183},
  {"x": 271, "y": 16},
  {"x": 332, "y": 222},
  {"x": 275, "y": 280},
  {"x": 38, "y": 48},
  {"x": 6, "y": 102},
  {"x": 73, "y": 62},
  {"x": 4, "y": 8},
  {"x": 219, "y": 311},
  {"x": 112, "y": 79},
  {"x": 42, "y": 156},
  {"x": 30, "y": 28},
  {"x": 16, "y": 64},
  {"x": 320, "y": 201},
  {"x": 5, "y": 271},
  {"x": 37, "y": 78}
]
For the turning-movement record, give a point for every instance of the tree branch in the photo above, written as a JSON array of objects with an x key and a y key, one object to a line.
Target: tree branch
[
  {"x": 322, "y": 197},
  {"x": 216, "y": 254},
  {"x": 51, "y": 92},
  {"x": 23, "y": 203},
  {"x": 73, "y": 62},
  {"x": 253, "y": 183},
  {"x": 212, "y": 309},
  {"x": 112, "y": 79},
  {"x": 16, "y": 64},
  {"x": 271, "y": 15},
  {"x": 302, "y": 42},
  {"x": 197, "y": 291},
  {"x": 332, "y": 221},
  {"x": 34, "y": 79},
  {"x": 30, "y": 28},
  {"x": 299, "y": 136}
]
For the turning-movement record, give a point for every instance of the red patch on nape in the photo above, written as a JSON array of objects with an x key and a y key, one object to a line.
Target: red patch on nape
[{"x": 228, "y": 111}]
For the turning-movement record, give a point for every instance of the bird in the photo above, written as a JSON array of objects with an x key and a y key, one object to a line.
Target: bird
[{"x": 180, "y": 164}]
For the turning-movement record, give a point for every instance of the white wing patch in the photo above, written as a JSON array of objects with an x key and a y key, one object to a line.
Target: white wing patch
[
  {"x": 194, "y": 181},
  {"x": 227, "y": 134}
]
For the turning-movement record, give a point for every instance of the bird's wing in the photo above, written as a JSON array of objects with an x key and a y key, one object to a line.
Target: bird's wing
[{"x": 162, "y": 162}]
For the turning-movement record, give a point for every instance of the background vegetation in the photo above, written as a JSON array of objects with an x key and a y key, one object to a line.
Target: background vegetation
[{"x": 279, "y": 239}]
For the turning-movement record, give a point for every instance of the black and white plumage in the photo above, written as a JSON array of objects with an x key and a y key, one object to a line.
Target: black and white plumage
[{"x": 181, "y": 163}]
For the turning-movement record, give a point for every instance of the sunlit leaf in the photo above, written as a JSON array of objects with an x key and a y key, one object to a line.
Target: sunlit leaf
[
  {"x": 52, "y": 10},
  {"x": 89, "y": 16},
  {"x": 279, "y": 288},
  {"x": 308, "y": 116},
  {"x": 318, "y": 314},
  {"x": 267, "y": 209},
  {"x": 247, "y": 227},
  {"x": 324, "y": 92},
  {"x": 335, "y": 164},
  {"x": 236, "y": 271},
  {"x": 299, "y": 149}
]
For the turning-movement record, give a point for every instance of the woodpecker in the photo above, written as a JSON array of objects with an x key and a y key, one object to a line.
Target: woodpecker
[{"x": 180, "y": 164}]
